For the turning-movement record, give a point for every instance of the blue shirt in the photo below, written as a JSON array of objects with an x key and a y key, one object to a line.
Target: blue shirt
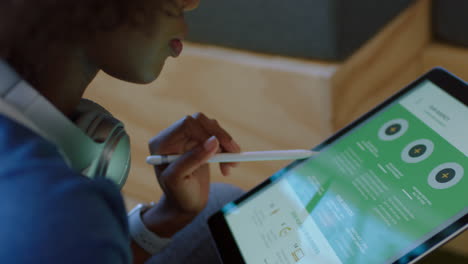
[{"x": 52, "y": 214}]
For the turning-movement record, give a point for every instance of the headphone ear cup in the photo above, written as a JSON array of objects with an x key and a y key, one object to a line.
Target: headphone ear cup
[
  {"x": 99, "y": 125},
  {"x": 94, "y": 120},
  {"x": 87, "y": 105}
]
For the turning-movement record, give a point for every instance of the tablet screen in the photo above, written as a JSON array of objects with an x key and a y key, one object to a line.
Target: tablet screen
[{"x": 370, "y": 196}]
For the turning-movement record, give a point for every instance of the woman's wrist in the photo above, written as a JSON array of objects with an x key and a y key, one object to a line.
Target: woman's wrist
[{"x": 164, "y": 220}]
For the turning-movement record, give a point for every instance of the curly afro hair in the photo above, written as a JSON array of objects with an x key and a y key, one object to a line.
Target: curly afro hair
[
  {"x": 68, "y": 20},
  {"x": 48, "y": 22}
]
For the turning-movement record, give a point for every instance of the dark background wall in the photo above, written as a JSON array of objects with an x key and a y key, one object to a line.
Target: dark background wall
[
  {"x": 450, "y": 21},
  {"x": 318, "y": 29}
]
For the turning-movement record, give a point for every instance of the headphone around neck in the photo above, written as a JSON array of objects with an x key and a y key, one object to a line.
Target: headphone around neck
[{"x": 95, "y": 145}]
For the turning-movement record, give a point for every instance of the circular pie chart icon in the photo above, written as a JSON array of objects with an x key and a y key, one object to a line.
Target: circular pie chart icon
[
  {"x": 445, "y": 175},
  {"x": 393, "y": 129},
  {"x": 417, "y": 151}
]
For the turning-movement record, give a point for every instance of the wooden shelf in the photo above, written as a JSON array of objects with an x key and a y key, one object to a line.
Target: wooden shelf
[{"x": 454, "y": 59}]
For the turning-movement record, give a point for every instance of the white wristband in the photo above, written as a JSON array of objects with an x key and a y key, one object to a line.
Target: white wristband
[{"x": 146, "y": 239}]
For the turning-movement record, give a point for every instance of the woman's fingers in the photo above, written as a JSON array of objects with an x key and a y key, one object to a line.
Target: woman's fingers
[
  {"x": 191, "y": 161},
  {"x": 181, "y": 136},
  {"x": 212, "y": 127},
  {"x": 190, "y": 132},
  {"x": 227, "y": 143}
]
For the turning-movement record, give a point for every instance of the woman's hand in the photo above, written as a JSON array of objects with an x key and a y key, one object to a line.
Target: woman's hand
[{"x": 186, "y": 181}]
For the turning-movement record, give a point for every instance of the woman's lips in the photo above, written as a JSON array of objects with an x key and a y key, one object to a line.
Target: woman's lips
[
  {"x": 176, "y": 47},
  {"x": 191, "y": 4}
]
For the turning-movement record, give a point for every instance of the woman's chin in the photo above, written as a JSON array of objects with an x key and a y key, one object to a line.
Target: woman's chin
[
  {"x": 141, "y": 77},
  {"x": 142, "y": 73},
  {"x": 146, "y": 79},
  {"x": 150, "y": 75}
]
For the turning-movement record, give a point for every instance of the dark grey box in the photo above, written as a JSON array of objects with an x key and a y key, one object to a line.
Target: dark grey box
[
  {"x": 318, "y": 29},
  {"x": 450, "y": 21}
]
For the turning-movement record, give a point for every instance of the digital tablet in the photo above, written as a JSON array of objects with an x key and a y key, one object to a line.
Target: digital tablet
[{"x": 388, "y": 188}]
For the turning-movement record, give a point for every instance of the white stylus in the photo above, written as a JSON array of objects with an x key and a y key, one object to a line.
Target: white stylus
[{"x": 243, "y": 156}]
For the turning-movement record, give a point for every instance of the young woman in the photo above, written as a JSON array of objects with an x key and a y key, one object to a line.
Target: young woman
[{"x": 50, "y": 213}]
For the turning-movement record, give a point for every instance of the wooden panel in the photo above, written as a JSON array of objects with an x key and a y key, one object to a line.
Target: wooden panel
[
  {"x": 452, "y": 58},
  {"x": 372, "y": 97},
  {"x": 380, "y": 67},
  {"x": 265, "y": 102},
  {"x": 458, "y": 245}
]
